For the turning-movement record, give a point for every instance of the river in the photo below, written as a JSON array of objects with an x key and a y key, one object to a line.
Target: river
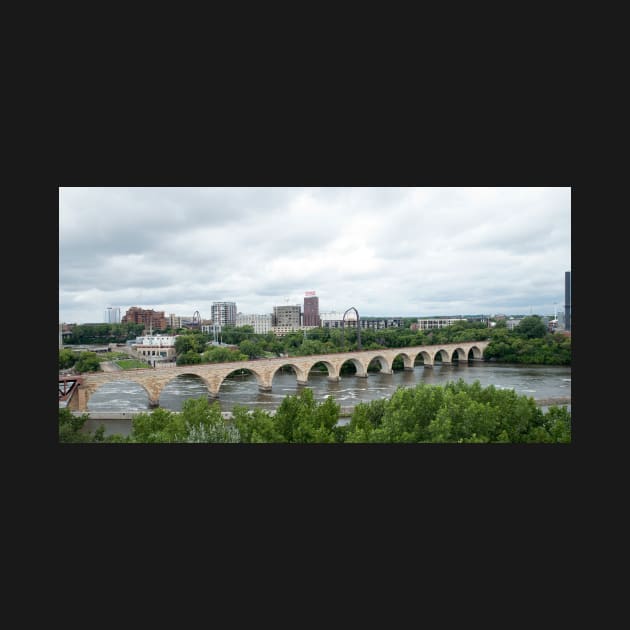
[{"x": 541, "y": 382}]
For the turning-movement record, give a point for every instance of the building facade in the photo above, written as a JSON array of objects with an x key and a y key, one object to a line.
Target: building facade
[
  {"x": 175, "y": 321},
  {"x": 148, "y": 317},
  {"x": 154, "y": 349},
  {"x": 281, "y": 331},
  {"x": 287, "y": 316},
  {"x": 260, "y": 323},
  {"x": 112, "y": 315},
  {"x": 311, "y": 310},
  {"x": 224, "y": 313},
  {"x": 333, "y": 319},
  {"x": 427, "y": 323}
]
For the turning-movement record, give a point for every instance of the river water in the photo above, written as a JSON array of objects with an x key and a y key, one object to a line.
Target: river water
[{"x": 537, "y": 381}]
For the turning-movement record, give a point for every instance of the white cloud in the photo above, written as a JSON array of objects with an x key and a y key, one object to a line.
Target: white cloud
[{"x": 386, "y": 251}]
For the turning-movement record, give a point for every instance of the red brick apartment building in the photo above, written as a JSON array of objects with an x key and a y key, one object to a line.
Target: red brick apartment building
[{"x": 148, "y": 317}]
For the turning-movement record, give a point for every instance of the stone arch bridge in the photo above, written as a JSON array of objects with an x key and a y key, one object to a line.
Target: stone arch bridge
[{"x": 213, "y": 374}]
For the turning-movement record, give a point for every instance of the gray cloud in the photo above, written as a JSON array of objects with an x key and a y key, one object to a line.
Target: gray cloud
[{"x": 386, "y": 251}]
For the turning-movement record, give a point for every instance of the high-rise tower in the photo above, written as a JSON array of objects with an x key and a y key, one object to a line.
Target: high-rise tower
[
  {"x": 311, "y": 309},
  {"x": 224, "y": 313}
]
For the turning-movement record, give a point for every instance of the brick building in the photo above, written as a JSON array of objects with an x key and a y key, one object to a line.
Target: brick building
[{"x": 148, "y": 317}]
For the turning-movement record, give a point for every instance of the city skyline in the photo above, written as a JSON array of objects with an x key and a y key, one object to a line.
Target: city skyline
[{"x": 408, "y": 252}]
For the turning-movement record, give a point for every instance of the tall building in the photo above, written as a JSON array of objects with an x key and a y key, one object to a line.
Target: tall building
[
  {"x": 150, "y": 318},
  {"x": 224, "y": 313},
  {"x": 311, "y": 309},
  {"x": 112, "y": 315},
  {"x": 287, "y": 316},
  {"x": 567, "y": 300},
  {"x": 175, "y": 321}
]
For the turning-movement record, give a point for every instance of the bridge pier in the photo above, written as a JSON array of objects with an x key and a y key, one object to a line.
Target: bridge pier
[
  {"x": 408, "y": 369},
  {"x": 428, "y": 365},
  {"x": 387, "y": 371},
  {"x": 333, "y": 379},
  {"x": 362, "y": 375},
  {"x": 264, "y": 388},
  {"x": 154, "y": 403},
  {"x": 299, "y": 382}
]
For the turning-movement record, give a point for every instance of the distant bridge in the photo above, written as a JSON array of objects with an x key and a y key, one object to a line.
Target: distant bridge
[{"x": 213, "y": 374}]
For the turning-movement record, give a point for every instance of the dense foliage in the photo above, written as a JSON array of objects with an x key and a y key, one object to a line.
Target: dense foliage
[
  {"x": 199, "y": 421},
  {"x": 453, "y": 413},
  {"x": 103, "y": 333},
  {"x": 299, "y": 419},
  {"x": 457, "y": 412},
  {"x": 529, "y": 342}
]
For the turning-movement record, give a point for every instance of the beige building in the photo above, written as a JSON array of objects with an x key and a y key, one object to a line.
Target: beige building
[
  {"x": 260, "y": 323},
  {"x": 439, "y": 322}
]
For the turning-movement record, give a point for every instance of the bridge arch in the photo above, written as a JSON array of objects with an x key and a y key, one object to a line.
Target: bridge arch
[
  {"x": 443, "y": 353},
  {"x": 477, "y": 354},
  {"x": 301, "y": 374},
  {"x": 358, "y": 364},
  {"x": 459, "y": 354},
  {"x": 406, "y": 358},
  {"x": 427, "y": 359},
  {"x": 260, "y": 380},
  {"x": 385, "y": 367},
  {"x": 332, "y": 371}
]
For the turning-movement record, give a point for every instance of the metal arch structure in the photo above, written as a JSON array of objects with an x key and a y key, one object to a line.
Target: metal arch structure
[
  {"x": 343, "y": 325},
  {"x": 196, "y": 316}
]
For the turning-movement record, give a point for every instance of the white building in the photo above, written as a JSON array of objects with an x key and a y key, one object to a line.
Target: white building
[
  {"x": 335, "y": 316},
  {"x": 159, "y": 341},
  {"x": 438, "y": 322},
  {"x": 154, "y": 348},
  {"x": 260, "y": 323},
  {"x": 283, "y": 329},
  {"x": 112, "y": 315}
]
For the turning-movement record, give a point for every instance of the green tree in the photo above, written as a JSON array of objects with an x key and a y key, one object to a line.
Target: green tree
[
  {"x": 255, "y": 426},
  {"x": 67, "y": 358},
  {"x": 87, "y": 362},
  {"x": 70, "y": 426},
  {"x": 250, "y": 348},
  {"x": 188, "y": 343},
  {"x": 204, "y": 422},
  {"x": 531, "y": 327},
  {"x": 198, "y": 421}
]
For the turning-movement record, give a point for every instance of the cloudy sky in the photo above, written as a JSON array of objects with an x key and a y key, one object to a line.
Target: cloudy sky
[{"x": 386, "y": 251}]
